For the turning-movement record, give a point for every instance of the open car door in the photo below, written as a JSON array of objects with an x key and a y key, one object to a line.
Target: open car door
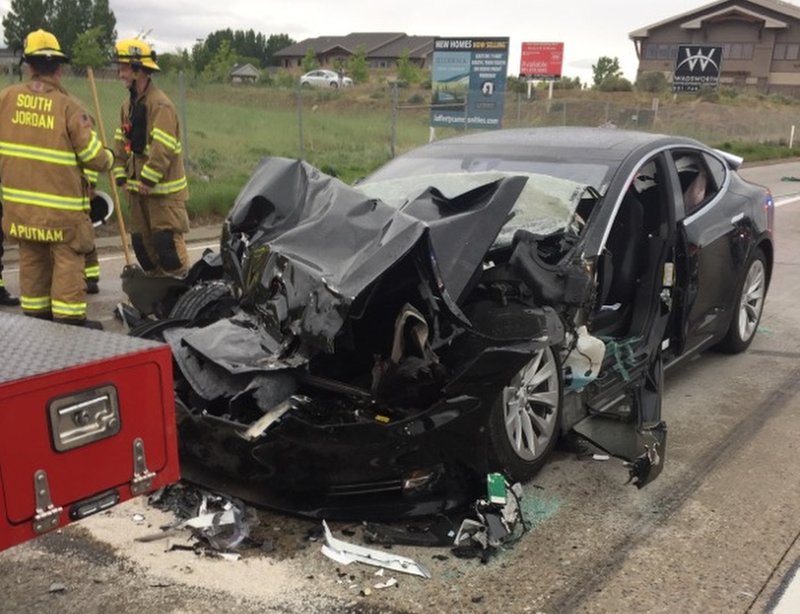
[{"x": 636, "y": 297}]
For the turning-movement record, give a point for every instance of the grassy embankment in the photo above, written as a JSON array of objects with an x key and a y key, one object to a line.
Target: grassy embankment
[{"x": 346, "y": 133}]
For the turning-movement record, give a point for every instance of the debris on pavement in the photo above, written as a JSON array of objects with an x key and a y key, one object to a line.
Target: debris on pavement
[
  {"x": 387, "y": 584},
  {"x": 499, "y": 521},
  {"x": 345, "y": 553},
  {"x": 57, "y": 587},
  {"x": 218, "y": 521},
  {"x": 438, "y": 531}
]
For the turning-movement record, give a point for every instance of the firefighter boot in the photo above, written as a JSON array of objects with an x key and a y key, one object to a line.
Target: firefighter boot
[
  {"x": 6, "y": 299},
  {"x": 93, "y": 324}
]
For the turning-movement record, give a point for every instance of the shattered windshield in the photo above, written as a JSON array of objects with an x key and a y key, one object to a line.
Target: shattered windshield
[{"x": 546, "y": 205}]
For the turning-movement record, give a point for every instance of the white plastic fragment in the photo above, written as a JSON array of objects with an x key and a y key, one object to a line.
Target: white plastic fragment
[
  {"x": 345, "y": 553},
  {"x": 205, "y": 521},
  {"x": 601, "y": 457},
  {"x": 390, "y": 582}
]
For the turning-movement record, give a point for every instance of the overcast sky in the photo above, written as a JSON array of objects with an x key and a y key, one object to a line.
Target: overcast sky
[{"x": 588, "y": 28}]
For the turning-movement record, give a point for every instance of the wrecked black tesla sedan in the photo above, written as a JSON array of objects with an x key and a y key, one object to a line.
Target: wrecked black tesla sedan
[{"x": 380, "y": 348}]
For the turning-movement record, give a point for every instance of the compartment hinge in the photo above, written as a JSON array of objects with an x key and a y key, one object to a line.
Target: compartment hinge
[
  {"x": 142, "y": 478},
  {"x": 47, "y": 514}
]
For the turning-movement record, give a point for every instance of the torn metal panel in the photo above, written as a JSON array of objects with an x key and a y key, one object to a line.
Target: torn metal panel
[
  {"x": 345, "y": 553},
  {"x": 240, "y": 345},
  {"x": 642, "y": 449},
  {"x": 546, "y": 204},
  {"x": 327, "y": 242}
]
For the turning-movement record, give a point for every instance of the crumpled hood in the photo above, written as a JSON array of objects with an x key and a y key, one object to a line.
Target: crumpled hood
[{"x": 307, "y": 245}]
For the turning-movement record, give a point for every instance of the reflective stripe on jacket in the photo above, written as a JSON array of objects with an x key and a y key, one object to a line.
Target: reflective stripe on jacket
[
  {"x": 160, "y": 164},
  {"x": 47, "y": 142}
]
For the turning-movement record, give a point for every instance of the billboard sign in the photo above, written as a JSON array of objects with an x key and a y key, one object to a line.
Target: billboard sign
[
  {"x": 697, "y": 66},
  {"x": 468, "y": 82},
  {"x": 541, "y": 61}
]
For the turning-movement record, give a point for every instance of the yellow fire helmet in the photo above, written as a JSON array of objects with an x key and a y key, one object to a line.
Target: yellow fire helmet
[
  {"x": 43, "y": 44},
  {"x": 137, "y": 53}
]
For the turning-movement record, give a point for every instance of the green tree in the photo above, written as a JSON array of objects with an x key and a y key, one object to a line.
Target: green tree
[
  {"x": 201, "y": 56},
  {"x": 171, "y": 62},
  {"x": 310, "y": 60},
  {"x": 67, "y": 19},
  {"x": 357, "y": 65},
  {"x": 406, "y": 70},
  {"x": 103, "y": 17},
  {"x": 90, "y": 49},
  {"x": 219, "y": 68},
  {"x": 24, "y": 17},
  {"x": 606, "y": 68},
  {"x": 254, "y": 46},
  {"x": 275, "y": 43}
]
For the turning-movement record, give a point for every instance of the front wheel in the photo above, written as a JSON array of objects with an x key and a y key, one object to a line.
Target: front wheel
[
  {"x": 524, "y": 422},
  {"x": 748, "y": 307},
  {"x": 334, "y": 85}
]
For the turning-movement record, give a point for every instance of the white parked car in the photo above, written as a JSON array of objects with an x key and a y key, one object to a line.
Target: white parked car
[{"x": 325, "y": 78}]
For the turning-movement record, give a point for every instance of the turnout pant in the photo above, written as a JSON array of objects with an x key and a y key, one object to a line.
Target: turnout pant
[
  {"x": 2, "y": 250},
  {"x": 92, "y": 268},
  {"x": 158, "y": 225},
  {"x": 51, "y": 280}
]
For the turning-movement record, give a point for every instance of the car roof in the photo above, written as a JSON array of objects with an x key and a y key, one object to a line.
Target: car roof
[{"x": 587, "y": 143}]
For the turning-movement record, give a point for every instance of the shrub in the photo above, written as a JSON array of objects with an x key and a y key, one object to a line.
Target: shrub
[
  {"x": 616, "y": 84},
  {"x": 708, "y": 94},
  {"x": 653, "y": 82}
]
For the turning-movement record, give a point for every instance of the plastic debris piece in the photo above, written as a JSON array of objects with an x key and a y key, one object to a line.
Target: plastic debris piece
[
  {"x": 389, "y": 583},
  {"x": 138, "y": 518},
  {"x": 346, "y": 553},
  {"x": 57, "y": 587},
  {"x": 228, "y": 556},
  {"x": 380, "y": 572},
  {"x": 268, "y": 419},
  {"x": 601, "y": 457},
  {"x": 496, "y": 525}
]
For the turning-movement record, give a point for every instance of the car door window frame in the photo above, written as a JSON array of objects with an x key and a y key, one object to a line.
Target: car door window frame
[{"x": 701, "y": 157}]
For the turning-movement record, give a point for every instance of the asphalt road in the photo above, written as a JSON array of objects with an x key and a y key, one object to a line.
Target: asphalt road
[{"x": 719, "y": 531}]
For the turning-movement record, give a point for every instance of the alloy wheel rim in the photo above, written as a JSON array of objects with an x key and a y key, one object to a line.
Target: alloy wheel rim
[
  {"x": 752, "y": 301},
  {"x": 530, "y": 406}
]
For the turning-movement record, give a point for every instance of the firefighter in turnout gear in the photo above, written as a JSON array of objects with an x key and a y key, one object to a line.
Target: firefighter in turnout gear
[
  {"x": 46, "y": 142},
  {"x": 6, "y": 298},
  {"x": 148, "y": 161}
]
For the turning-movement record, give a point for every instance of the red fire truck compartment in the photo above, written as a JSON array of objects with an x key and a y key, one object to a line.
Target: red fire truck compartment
[{"x": 87, "y": 420}]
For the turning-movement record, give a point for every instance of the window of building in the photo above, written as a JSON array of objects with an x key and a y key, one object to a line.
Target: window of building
[
  {"x": 786, "y": 51},
  {"x": 738, "y": 51},
  {"x": 660, "y": 51}
]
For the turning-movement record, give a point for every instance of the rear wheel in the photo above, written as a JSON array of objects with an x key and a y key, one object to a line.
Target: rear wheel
[
  {"x": 524, "y": 422},
  {"x": 748, "y": 307},
  {"x": 334, "y": 85}
]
